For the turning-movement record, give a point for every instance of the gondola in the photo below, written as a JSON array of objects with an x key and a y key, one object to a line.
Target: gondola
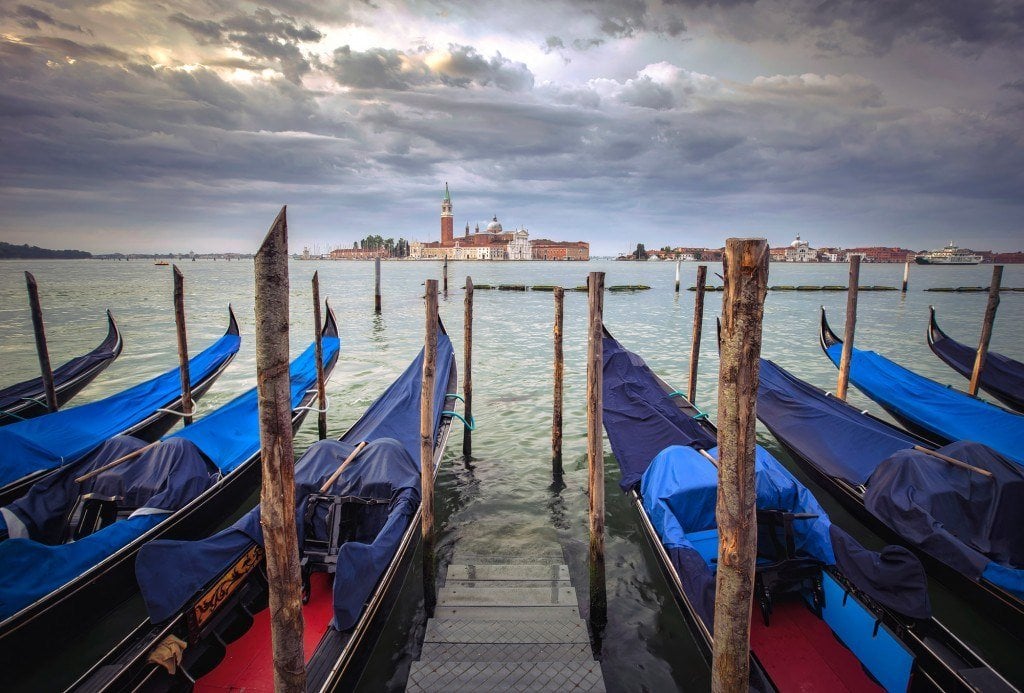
[
  {"x": 833, "y": 615},
  {"x": 28, "y": 399},
  {"x": 82, "y": 536},
  {"x": 209, "y": 625},
  {"x": 926, "y": 408},
  {"x": 949, "y": 516},
  {"x": 33, "y": 449},
  {"x": 1001, "y": 377}
]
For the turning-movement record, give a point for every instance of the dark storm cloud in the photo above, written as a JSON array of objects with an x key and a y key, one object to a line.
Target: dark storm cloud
[
  {"x": 32, "y": 18},
  {"x": 65, "y": 48}
]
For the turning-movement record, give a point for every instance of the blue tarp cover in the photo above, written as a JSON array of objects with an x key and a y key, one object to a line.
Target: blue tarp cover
[
  {"x": 948, "y": 414},
  {"x": 162, "y": 480},
  {"x": 838, "y": 439},
  {"x": 1002, "y": 376},
  {"x": 965, "y": 519},
  {"x": 170, "y": 573},
  {"x": 62, "y": 437},
  {"x": 641, "y": 419}
]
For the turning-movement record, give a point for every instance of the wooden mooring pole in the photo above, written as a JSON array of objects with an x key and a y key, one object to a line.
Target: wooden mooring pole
[
  {"x": 277, "y": 495},
  {"x": 318, "y": 352},
  {"x": 698, "y": 324},
  {"x": 467, "y": 370},
  {"x": 179, "y": 323},
  {"x": 678, "y": 263},
  {"x": 906, "y": 277},
  {"x": 559, "y": 375},
  {"x": 445, "y": 273},
  {"x": 851, "y": 327},
  {"x": 427, "y": 445},
  {"x": 376, "y": 286},
  {"x": 986, "y": 328},
  {"x": 41, "y": 350},
  {"x": 595, "y": 449},
  {"x": 745, "y": 265}
]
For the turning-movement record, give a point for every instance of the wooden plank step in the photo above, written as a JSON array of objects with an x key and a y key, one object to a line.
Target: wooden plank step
[
  {"x": 505, "y": 652},
  {"x": 506, "y": 596},
  {"x": 505, "y": 676},
  {"x": 540, "y": 584},
  {"x": 508, "y": 571},
  {"x": 499, "y": 613},
  {"x": 458, "y": 630}
]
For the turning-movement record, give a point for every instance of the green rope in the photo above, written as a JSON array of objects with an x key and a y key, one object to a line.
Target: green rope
[
  {"x": 455, "y": 396},
  {"x": 11, "y": 414},
  {"x": 677, "y": 393},
  {"x": 470, "y": 425}
]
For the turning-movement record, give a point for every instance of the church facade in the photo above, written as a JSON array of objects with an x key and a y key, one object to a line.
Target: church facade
[{"x": 492, "y": 243}]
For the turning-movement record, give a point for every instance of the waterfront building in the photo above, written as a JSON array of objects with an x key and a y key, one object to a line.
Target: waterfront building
[{"x": 800, "y": 251}]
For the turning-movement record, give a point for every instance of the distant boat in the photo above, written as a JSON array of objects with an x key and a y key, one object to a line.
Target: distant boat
[
  {"x": 950, "y": 255},
  {"x": 161, "y": 263}
]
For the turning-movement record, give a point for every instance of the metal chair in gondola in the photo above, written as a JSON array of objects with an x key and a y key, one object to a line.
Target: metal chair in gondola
[
  {"x": 91, "y": 513},
  {"x": 779, "y": 569}
]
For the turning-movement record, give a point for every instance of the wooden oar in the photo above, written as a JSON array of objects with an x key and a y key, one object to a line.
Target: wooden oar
[
  {"x": 119, "y": 460},
  {"x": 952, "y": 461},
  {"x": 711, "y": 459},
  {"x": 339, "y": 470}
]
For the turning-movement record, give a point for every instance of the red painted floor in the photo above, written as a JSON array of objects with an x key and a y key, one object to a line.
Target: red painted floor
[
  {"x": 248, "y": 664},
  {"x": 800, "y": 653}
]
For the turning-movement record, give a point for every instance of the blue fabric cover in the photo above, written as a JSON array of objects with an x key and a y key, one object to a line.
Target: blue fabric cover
[
  {"x": 60, "y": 438},
  {"x": 171, "y": 573},
  {"x": 161, "y": 480},
  {"x": 837, "y": 438},
  {"x": 641, "y": 419},
  {"x": 948, "y": 414},
  {"x": 1001, "y": 376},
  {"x": 965, "y": 519}
]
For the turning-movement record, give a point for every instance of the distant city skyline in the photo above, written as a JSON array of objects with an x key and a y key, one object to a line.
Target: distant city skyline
[{"x": 142, "y": 127}]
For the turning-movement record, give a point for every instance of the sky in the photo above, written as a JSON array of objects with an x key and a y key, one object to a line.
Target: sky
[{"x": 176, "y": 125}]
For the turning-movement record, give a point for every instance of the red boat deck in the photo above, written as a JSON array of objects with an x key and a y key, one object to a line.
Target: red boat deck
[
  {"x": 248, "y": 663},
  {"x": 800, "y": 653}
]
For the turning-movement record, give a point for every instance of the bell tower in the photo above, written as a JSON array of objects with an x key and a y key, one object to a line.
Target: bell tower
[{"x": 447, "y": 220}]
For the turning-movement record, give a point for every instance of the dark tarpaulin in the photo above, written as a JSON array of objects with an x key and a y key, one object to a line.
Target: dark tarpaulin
[
  {"x": 826, "y": 431},
  {"x": 1001, "y": 376},
  {"x": 641, "y": 419},
  {"x": 963, "y": 518}
]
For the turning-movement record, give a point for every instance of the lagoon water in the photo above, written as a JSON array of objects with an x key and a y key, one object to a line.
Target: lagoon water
[{"x": 503, "y": 502}]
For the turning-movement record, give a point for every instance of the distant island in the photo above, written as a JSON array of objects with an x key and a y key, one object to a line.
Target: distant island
[{"x": 9, "y": 251}]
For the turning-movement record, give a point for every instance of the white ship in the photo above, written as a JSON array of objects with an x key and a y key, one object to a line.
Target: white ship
[{"x": 950, "y": 255}]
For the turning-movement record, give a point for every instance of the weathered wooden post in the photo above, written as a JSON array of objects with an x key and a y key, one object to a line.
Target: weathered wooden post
[
  {"x": 318, "y": 351},
  {"x": 467, "y": 377},
  {"x": 678, "y": 263},
  {"x": 179, "y": 323},
  {"x": 986, "y": 328},
  {"x": 906, "y": 276},
  {"x": 851, "y": 326},
  {"x": 277, "y": 496},
  {"x": 41, "y": 349},
  {"x": 559, "y": 375},
  {"x": 595, "y": 448},
  {"x": 745, "y": 265},
  {"x": 427, "y": 444},
  {"x": 376, "y": 286},
  {"x": 698, "y": 324}
]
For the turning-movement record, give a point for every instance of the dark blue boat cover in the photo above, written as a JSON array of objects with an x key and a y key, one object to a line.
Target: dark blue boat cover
[
  {"x": 171, "y": 573},
  {"x": 641, "y": 419},
  {"x": 60, "y": 438},
  {"x": 1001, "y": 376},
  {"x": 33, "y": 388},
  {"x": 969, "y": 521},
  {"x": 839, "y": 440},
  {"x": 948, "y": 414},
  {"x": 158, "y": 482}
]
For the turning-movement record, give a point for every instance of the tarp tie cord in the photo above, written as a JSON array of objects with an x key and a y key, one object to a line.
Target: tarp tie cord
[
  {"x": 34, "y": 400},
  {"x": 680, "y": 393},
  {"x": 455, "y": 396},
  {"x": 327, "y": 407},
  {"x": 4, "y": 412},
  {"x": 470, "y": 425},
  {"x": 676, "y": 393},
  {"x": 175, "y": 412}
]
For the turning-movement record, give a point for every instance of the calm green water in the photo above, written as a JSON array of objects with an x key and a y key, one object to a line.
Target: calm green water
[{"x": 504, "y": 501}]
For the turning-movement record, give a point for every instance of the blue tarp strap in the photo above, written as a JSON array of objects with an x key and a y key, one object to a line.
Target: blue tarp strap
[{"x": 470, "y": 425}]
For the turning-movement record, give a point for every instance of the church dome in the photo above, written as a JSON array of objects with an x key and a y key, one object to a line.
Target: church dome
[
  {"x": 797, "y": 242},
  {"x": 494, "y": 226}
]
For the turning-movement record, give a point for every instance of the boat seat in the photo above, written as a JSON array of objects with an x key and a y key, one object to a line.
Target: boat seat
[
  {"x": 784, "y": 571},
  {"x": 91, "y": 513},
  {"x": 328, "y": 522}
]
